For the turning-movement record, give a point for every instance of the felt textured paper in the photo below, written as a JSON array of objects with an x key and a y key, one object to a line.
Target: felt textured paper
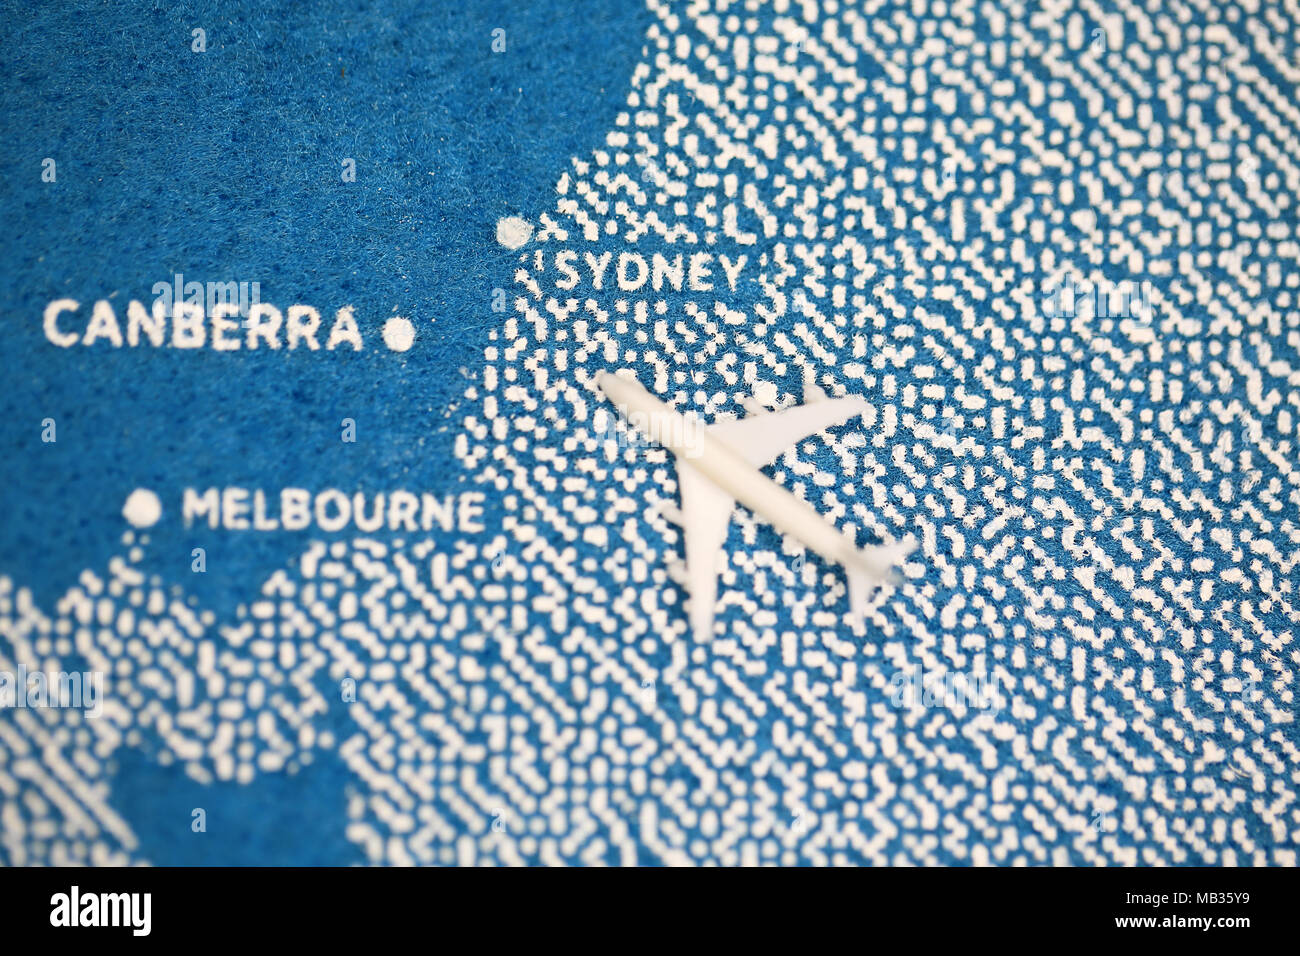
[{"x": 423, "y": 603}]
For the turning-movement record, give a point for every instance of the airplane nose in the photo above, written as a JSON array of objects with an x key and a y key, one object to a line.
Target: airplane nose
[
  {"x": 609, "y": 383},
  {"x": 621, "y": 391}
]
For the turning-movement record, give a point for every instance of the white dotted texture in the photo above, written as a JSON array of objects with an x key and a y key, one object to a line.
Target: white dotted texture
[{"x": 1105, "y": 508}]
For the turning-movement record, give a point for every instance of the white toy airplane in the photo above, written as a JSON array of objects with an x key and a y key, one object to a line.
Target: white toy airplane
[{"x": 719, "y": 465}]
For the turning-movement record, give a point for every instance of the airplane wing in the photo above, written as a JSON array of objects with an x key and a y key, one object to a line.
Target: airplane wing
[
  {"x": 706, "y": 509},
  {"x": 705, "y": 516},
  {"x": 762, "y": 438}
]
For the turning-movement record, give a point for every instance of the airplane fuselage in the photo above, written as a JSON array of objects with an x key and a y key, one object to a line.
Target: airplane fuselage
[{"x": 715, "y": 460}]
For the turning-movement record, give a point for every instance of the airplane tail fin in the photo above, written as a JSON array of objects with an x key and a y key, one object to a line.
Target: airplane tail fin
[{"x": 877, "y": 565}]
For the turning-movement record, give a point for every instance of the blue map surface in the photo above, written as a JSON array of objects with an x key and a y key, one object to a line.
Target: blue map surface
[{"x": 1053, "y": 248}]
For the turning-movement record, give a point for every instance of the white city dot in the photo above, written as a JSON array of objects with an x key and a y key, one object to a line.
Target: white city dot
[
  {"x": 142, "y": 508},
  {"x": 399, "y": 333},
  {"x": 513, "y": 232}
]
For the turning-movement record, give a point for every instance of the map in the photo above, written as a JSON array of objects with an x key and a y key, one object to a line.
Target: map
[{"x": 666, "y": 433}]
